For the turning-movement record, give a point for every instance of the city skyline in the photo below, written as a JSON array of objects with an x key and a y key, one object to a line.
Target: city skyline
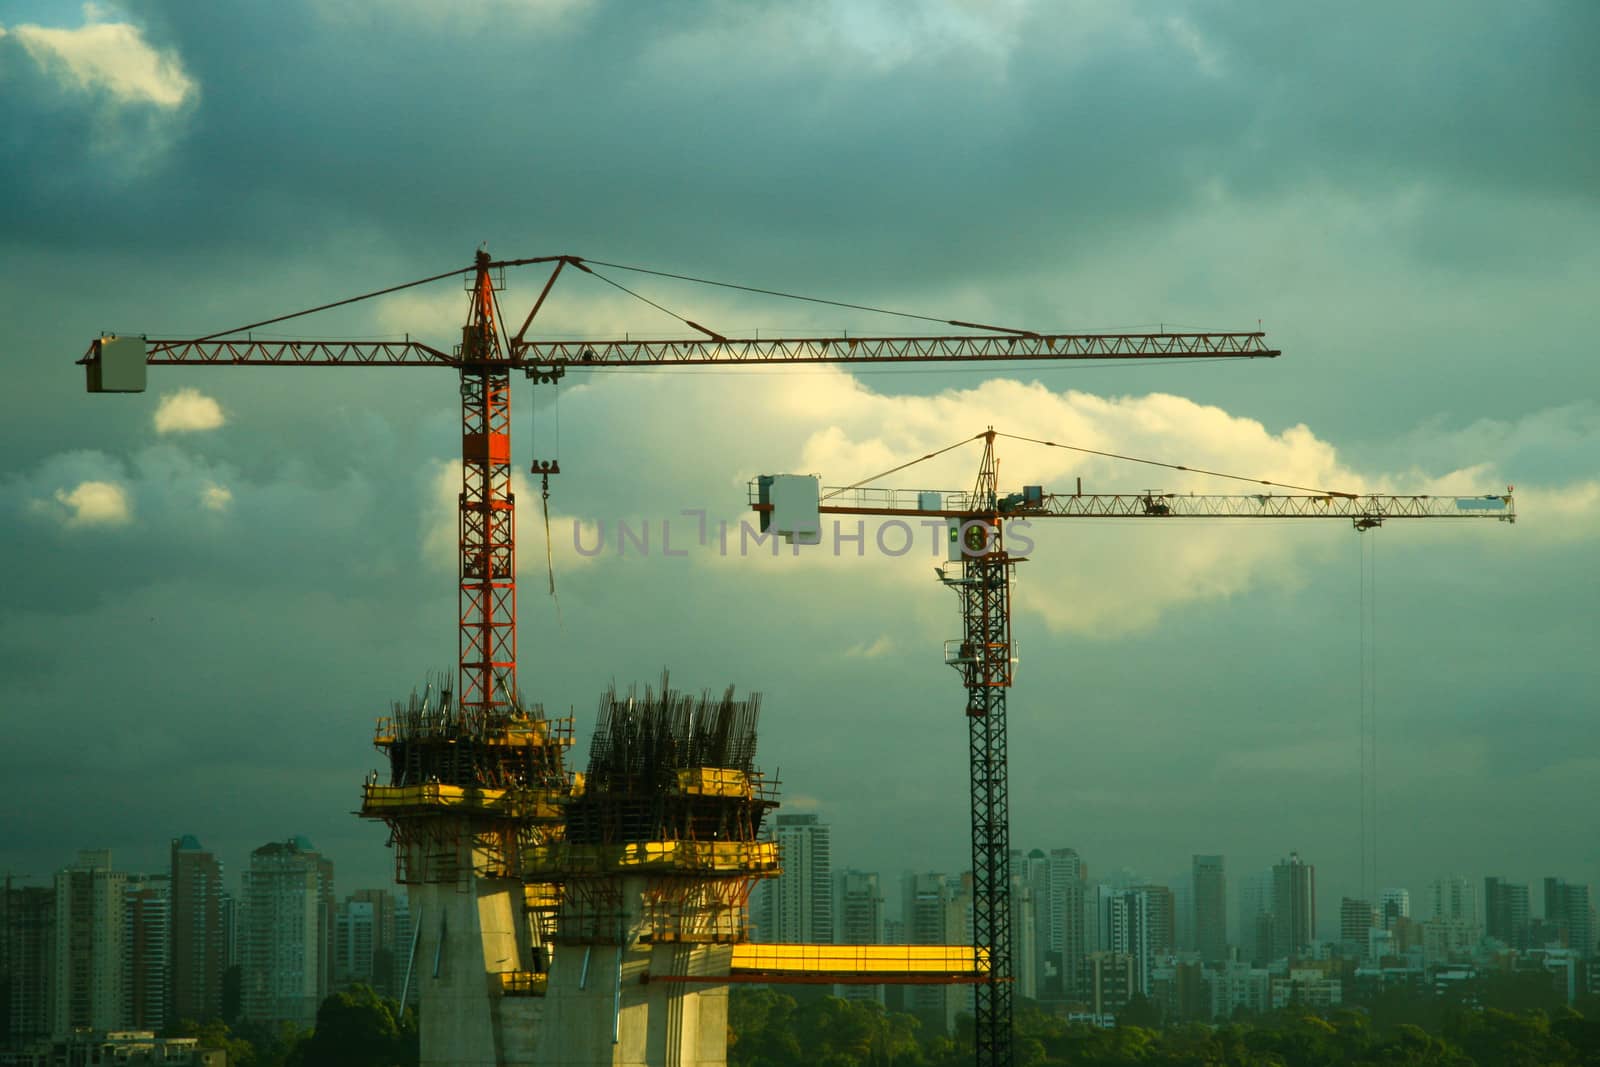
[
  {"x": 112, "y": 949},
  {"x": 1537, "y": 891},
  {"x": 380, "y": 876}
]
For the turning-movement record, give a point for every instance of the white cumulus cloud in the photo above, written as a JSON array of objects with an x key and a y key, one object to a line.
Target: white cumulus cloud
[
  {"x": 187, "y": 411},
  {"x": 109, "y": 56},
  {"x": 871, "y": 649},
  {"x": 214, "y": 497},
  {"x": 95, "y": 504},
  {"x": 1098, "y": 577}
]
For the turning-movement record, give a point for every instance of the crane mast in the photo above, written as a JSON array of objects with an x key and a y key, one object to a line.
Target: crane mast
[
  {"x": 982, "y": 582},
  {"x": 487, "y": 601}
]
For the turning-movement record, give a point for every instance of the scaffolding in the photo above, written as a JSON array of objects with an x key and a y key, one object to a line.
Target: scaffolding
[
  {"x": 468, "y": 794},
  {"x": 672, "y": 798}
]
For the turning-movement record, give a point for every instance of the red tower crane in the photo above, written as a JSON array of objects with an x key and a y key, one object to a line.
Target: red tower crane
[
  {"x": 489, "y": 354},
  {"x": 980, "y": 570}
]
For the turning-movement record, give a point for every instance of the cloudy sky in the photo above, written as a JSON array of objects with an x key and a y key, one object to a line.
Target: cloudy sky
[{"x": 215, "y": 586}]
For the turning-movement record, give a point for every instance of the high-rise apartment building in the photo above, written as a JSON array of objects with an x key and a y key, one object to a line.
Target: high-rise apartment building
[
  {"x": 1570, "y": 907},
  {"x": 1137, "y": 923},
  {"x": 1453, "y": 897},
  {"x": 367, "y": 944},
  {"x": 27, "y": 952},
  {"x": 933, "y": 914},
  {"x": 286, "y": 933},
  {"x": 88, "y": 984},
  {"x": 1066, "y": 911},
  {"x": 1112, "y": 981},
  {"x": 146, "y": 933},
  {"x": 1294, "y": 907},
  {"x": 1210, "y": 908},
  {"x": 1453, "y": 929},
  {"x": 797, "y": 906},
  {"x": 1256, "y": 917},
  {"x": 858, "y": 920},
  {"x": 1357, "y": 920},
  {"x": 1025, "y": 962},
  {"x": 1505, "y": 912},
  {"x": 230, "y": 926},
  {"x": 1162, "y": 907},
  {"x": 199, "y": 937},
  {"x": 405, "y": 934},
  {"x": 1182, "y": 889},
  {"x": 1393, "y": 905},
  {"x": 355, "y": 941},
  {"x": 1032, "y": 873}
]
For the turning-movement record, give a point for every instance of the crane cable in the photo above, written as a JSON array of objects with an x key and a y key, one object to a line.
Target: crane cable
[
  {"x": 1368, "y": 602},
  {"x": 786, "y": 296},
  {"x": 587, "y": 266},
  {"x": 544, "y": 503},
  {"x": 544, "y": 480},
  {"x": 892, "y": 470},
  {"x": 1180, "y": 467},
  {"x": 335, "y": 304},
  {"x": 664, "y": 310},
  {"x": 1090, "y": 451}
]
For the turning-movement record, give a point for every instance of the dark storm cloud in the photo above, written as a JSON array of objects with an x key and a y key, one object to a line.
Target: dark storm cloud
[
  {"x": 669, "y": 124},
  {"x": 1480, "y": 94}
]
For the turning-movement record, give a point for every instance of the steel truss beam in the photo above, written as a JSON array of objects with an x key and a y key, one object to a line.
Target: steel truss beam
[
  {"x": 532, "y": 356},
  {"x": 1148, "y": 505}
]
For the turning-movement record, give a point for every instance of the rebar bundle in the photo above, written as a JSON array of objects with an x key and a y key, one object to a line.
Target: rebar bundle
[
  {"x": 431, "y": 739},
  {"x": 633, "y": 791},
  {"x": 641, "y": 743}
]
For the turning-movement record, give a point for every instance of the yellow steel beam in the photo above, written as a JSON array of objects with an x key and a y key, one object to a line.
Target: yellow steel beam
[
  {"x": 563, "y": 859},
  {"x": 848, "y": 965},
  {"x": 380, "y": 800},
  {"x": 861, "y": 959}
]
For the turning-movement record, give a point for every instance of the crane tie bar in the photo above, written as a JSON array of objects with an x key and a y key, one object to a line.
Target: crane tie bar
[{"x": 1178, "y": 467}]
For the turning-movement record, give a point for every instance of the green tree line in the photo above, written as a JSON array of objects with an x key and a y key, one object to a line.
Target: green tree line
[
  {"x": 355, "y": 1028},
  {"x": 770, "y": 1028}
]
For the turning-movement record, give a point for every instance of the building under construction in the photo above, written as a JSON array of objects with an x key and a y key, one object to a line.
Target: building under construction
[
  {"x": 564, "y": 918},
  {"x": 468, "y": 796}
]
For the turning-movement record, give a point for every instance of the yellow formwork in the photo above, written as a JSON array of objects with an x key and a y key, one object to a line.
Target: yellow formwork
[
  {"x": 714, "y": 782},
  {"x": 699, "y": 857},
  {"x": 523, "y": 983},
  {"x": 541, "y": 896},
  {"x": 538, "y": 733},
  {"x": 852, "y": 960},
  {"x": 381, "y": 800}
]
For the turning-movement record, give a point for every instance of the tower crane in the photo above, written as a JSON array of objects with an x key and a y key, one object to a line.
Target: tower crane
[
  {"x": 489, "y": 353},
  {"x": 980, "y": 570}
]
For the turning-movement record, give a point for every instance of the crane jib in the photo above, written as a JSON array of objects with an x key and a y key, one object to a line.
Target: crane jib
[{"x": 112, "y": 360}]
